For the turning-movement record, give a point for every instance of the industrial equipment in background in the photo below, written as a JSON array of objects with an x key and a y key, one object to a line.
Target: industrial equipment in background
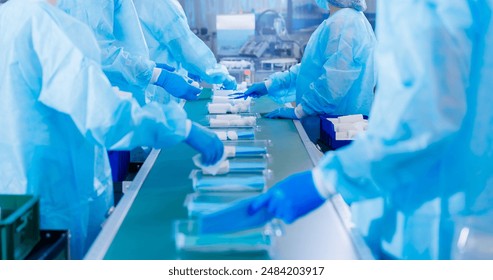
[
  {"x": 255, "y": 39},
  {"x": 268, "y": 42}
]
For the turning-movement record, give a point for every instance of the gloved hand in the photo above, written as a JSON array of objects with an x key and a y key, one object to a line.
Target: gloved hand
[
  {"x": 165, "y": 66},
  {"x": 256, "y": 90},
  {"x": 289, "y": 199},
  {"x": 282, "y": 113},
  {"x": 194, "y": 77},
  {"x": 229, "y": 83},
  {"x": 177, "y": 85},
  {"x": 207, "y": 143}
]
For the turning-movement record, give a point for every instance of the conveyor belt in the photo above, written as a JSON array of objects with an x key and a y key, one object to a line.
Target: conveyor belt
[{"x": 144, "y": 229}]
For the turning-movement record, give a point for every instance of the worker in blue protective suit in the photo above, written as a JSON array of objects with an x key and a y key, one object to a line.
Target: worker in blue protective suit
[
  {"x": 428, "y": 150},
  {"x": 125, "y": 57},
  {"x": 171, "y": 41},
  {"x": 59, "y": 113},
  {"x": 336, "y": 75}
]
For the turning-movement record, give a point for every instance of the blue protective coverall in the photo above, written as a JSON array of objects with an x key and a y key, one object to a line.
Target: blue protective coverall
[
  {"x": 171, "y": 41},
  {"x": 58, "y": 113},
  {"x": 124, "y": 52},
  {"x": 337, "y": 74},
  {"x": 427, "y": 156}
]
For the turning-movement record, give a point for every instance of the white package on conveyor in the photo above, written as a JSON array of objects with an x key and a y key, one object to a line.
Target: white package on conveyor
[{"x": 351, "y": 118}]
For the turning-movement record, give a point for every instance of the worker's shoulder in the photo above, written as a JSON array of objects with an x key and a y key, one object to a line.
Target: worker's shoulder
[
  {"x": 41, "y": 16},
  {"x": 26, "y": 7},
  {"x": 29, "y": 10},
  {"x": 348, "y": 22},
  {"x": 347, "y": 17},
  {"x": 23, "y": 14}
]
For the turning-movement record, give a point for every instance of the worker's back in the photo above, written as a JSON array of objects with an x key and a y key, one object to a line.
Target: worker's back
[
  {"x": 337, "y": 73},
  {"x": 42, "y": 150}
]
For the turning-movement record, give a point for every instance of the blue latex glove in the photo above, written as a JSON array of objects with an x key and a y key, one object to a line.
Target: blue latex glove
[
  {"x": 282, "y": 113},
  {"x": 234, "y": 218},
  {"x": 177, "y": 85},
  {"x": 229, "y": 83},
  {"x": 289, "y": 199},
  {"x": 166, "y": 67},
  {"x": 194, "y": 77},
  {"x": 256, "y": 90},
  {"x": 207, "y": 143}
]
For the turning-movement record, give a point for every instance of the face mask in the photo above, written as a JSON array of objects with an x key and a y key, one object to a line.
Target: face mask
[{"x": 323, "y": 4}]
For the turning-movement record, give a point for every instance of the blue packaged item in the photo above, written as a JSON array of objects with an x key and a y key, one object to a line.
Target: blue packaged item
[
  {"x": 234, "y": 218},
  {"x": 230, "y": 182},
  {"x": 247, "y": 148},
  {"x": 190, "y": 239},
  {"x": 199, "y": 204}
]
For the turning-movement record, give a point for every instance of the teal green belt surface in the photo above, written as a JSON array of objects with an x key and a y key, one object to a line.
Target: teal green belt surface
[{"x": 147, "y": 230}]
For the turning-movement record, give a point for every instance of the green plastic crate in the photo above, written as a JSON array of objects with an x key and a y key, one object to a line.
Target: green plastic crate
[{"x": 19, "y": 225}]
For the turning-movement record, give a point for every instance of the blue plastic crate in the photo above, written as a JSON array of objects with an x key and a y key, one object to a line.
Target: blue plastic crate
[
  {"x": 328, "y": 134},
  {"x": 119, "y": 162}
]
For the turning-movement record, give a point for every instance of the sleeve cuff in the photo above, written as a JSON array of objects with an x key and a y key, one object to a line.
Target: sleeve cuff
[
  {"x": 299, "y": 112},
  {"x": 325, "y": 186},
  {"x": 155, "y": 75},
  {"x": 188, "y": 128}
]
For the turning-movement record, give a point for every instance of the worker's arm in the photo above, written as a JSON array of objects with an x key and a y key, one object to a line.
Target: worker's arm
[
  {"x": 73, "y": 83},
  {"x": 125, "y": 57},
  {"x": 168, "y": 24},
  {"x": 282, "y": 85},
  {"x": 339, "y": 73}
]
